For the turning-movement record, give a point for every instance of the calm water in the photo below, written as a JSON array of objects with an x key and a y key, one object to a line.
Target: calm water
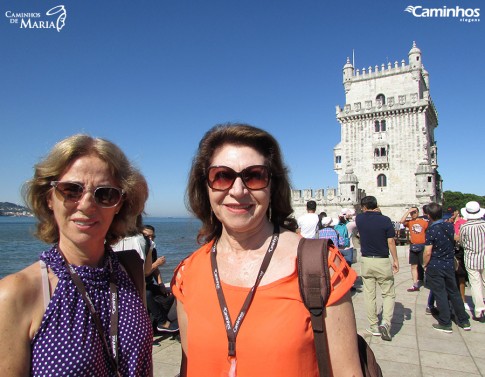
[{"x": 176, "y": 238}]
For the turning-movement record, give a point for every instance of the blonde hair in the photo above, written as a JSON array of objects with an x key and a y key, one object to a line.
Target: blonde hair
[{"x": 62, "y": 155}]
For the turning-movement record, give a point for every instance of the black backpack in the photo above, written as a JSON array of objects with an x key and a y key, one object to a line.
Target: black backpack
[{"x": 314, "y": 281}]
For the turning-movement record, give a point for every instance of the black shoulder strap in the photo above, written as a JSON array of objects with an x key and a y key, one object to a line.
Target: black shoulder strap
[
  {"x": 148, "y": 245},
  {"x": 133, "y": 265},
  {"x": 314, "y": 281}
]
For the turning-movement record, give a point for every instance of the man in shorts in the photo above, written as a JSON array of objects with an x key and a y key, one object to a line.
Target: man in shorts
[{"x": 417, "y": 233}]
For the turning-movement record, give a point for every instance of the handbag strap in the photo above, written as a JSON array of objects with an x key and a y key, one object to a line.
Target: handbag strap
[
  {"x": 133, "y": 265},
  {"x": 314, "y": 282}
]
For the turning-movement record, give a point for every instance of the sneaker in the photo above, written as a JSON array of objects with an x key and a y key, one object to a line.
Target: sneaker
[
  {"x": 385, "y": 330},
  {"x": 413, "y": 289},
  {"x": 480, "y": 317},
  {"x": 446, "y": 329},
  {"x": 173, "y": 327},
  {"x": 374, "y": 330},
  {"x": 432, "y": 311},
  {"x": 465, "y": 326}
]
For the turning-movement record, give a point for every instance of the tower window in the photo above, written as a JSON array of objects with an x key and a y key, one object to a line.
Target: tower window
[
  {"x": 380, "y": 126},
  {"x": 376, "y": 152},
  {"x": 352, "y": 188},
  {"x": 383, "y": 151},
  {"x": 382, "y": 98},
  {"x": 429, "y": 179},
  {"x": 338, "y": 159},
  {"x": 381, "y": 180}
]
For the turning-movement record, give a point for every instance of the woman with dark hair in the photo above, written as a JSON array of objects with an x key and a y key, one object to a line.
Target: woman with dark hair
[
  {"x": 239, "y": 306},
  {"x": 76, "y": 312}
]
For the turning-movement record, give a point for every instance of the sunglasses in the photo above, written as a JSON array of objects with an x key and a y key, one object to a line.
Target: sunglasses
[
  {"x": 221, "y": 178},
  {"x": 104, "y": 196}
]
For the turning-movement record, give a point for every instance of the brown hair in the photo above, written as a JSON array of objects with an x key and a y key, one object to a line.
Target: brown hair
[
  {"x": 62, "y": 155},
  {"x": 197, "y": 197}
]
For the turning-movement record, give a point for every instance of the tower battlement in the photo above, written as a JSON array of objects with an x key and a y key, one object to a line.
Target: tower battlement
[
  {"x": 383, "y": 70},
  {"x": 329, "y": 200}
]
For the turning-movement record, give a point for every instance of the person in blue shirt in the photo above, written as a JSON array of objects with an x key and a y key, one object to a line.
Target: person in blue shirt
[
  {"x": 377, "y": 241},
  {"x": 440, "y": 273}
]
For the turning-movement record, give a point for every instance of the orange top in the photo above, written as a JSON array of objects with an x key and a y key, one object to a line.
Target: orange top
[
  {"x": 275, "y": 338},
  {"x": 417, "y": 230}
]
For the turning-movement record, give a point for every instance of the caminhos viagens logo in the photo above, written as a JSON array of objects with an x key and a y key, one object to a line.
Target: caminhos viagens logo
[
  {"x": 54, "y": 18},
  {"x": 462, "y": 14}
]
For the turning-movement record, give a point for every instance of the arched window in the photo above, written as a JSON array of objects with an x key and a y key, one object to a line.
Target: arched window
[
  {"x": 383, "y": 151},
  {"x": 383, "y": 125},
  {"x": 376, "y": 152},
  {"x": 382, "y": 98},
  {"x": 381, "y": 180},
  {"x": 377, "y": 126},
  {"x": 352, "y": 188}
]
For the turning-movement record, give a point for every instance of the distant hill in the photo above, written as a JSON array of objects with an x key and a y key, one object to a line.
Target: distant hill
[{"x": 11, "y": 209}]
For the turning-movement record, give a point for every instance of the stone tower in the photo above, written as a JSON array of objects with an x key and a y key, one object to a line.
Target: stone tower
[{"x": 387, "y": 145}]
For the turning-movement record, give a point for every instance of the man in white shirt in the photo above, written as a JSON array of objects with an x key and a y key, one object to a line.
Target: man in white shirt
[{"x": 307, "y": 224}]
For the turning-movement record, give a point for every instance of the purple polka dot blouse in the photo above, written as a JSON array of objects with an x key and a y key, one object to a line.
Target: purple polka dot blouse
[{"x": 68, "y": 343}]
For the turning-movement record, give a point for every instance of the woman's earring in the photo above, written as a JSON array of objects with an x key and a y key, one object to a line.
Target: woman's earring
[
  {"x": 212, "y": 214},
  {"x": 269, "y": 212}
]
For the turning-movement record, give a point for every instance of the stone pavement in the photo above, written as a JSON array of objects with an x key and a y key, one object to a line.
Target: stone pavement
[{"x": 416, "y": 350}]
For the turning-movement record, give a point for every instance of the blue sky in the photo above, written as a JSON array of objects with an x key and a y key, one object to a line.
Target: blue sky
[{"x": 154, "y": 75}]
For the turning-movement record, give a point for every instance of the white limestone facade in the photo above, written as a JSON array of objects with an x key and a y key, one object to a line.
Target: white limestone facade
[{"x": 387, "y": 147}]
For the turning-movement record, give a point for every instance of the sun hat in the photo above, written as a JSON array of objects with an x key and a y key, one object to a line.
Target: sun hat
[
  {"x": 344, "y": 212},
  {"x": 472, "y": 211},
  {"x": 327, "y": 221}
]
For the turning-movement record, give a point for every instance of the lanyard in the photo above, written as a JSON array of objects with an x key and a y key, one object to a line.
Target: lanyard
[
  {"x": 113, "y": 298},
  {"x": 231, "y": 329}
]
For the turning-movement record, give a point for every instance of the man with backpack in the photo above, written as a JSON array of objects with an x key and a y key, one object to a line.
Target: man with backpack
[{"x": 344, "y": 239}]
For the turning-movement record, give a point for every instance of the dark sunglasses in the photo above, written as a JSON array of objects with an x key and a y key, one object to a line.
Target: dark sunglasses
[
  {"x": 221, "y": 178},
  {"x": 105, "y": 196}
]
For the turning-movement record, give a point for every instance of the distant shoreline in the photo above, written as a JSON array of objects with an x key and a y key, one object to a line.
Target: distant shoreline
[{"x": 15, "y": 215}]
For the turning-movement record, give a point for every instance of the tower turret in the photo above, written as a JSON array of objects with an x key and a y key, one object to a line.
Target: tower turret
[
  {"x": 349, "y": 186},
  {"x": 348, "y": 73},
  {"x": 415, "y": 57},
  {"x": 425, "y": 182}
]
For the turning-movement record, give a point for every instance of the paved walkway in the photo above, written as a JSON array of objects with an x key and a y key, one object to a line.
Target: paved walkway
[{"x": 416, "y": 350}]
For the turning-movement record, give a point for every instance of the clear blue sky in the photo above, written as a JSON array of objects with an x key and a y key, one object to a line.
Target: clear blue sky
[{"x": 154, "y": 75}]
